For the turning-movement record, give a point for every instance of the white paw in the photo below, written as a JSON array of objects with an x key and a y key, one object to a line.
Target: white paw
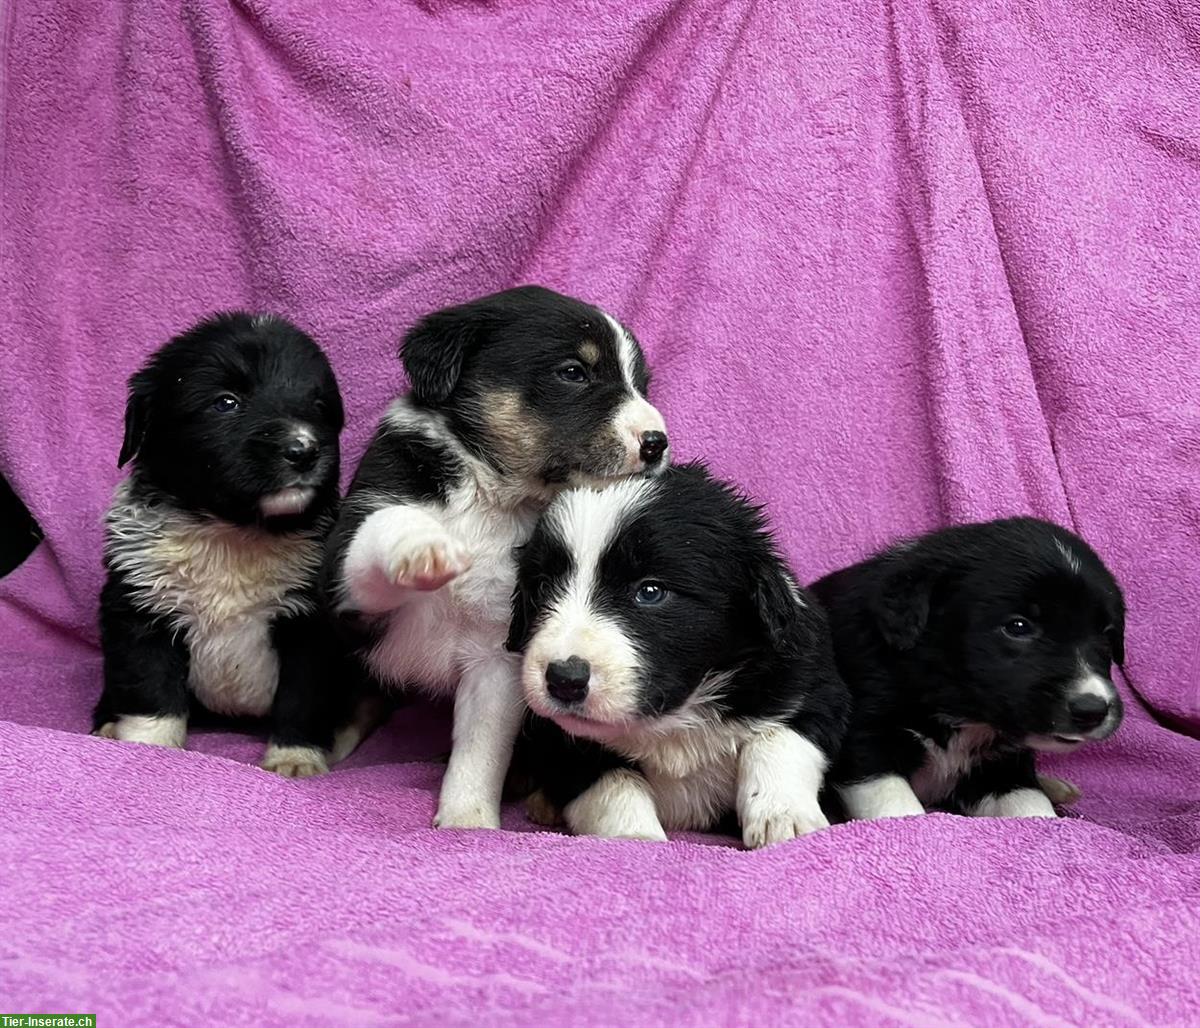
[
  {"x": 473, "y": 815},
  {"x": 1061, "y": 792},
  {"x": 426, "y": 563},
  {"x": 651, "y": 833},
  {"x": 295, "y": 761},
  {"x": 766, "y": 827},
  {"x": 107, "y": 731}
]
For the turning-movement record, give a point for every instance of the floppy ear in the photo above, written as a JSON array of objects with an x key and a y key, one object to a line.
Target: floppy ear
[
  {"x": 523, "y": 612},
  {"x": 1116, "y": 635},
  {"x": 901, "y": 605},
  {"x": 434, "y": 349},
  {"x": 137, "y": 416},
  {"x": 774, "y": 596}
]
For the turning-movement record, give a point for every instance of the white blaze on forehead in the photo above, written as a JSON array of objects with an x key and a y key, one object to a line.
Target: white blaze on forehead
[
  {"x": 588, "y": 521},
  {"x": 636, "y": 416},
  {"x": 626, "y": 352}
]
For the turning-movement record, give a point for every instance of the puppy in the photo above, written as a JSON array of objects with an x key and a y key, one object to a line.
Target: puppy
[
  {"x": 676, "y": 670},
  {"x": 514, "y": 396},
  {"x": 213, "y": 544},
  {"x": 967, "y": 650}
]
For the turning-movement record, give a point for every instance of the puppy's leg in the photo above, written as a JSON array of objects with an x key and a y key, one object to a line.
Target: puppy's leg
[
  {"x": 1005, "y": 787},
  {"x": 304, "y": 708},
  {"x": 1016, "y": 803},
  {"x": 779, "y": 778},
  {"x": 397, "y": 552},
  {"x": 619, "y": 805},
  {"x": 487, "y": 714},
  {"x": 144, "y": 698},
  {"x": 882, "y": 796}
]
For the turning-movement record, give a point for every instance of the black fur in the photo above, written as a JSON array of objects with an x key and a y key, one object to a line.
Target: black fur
[
  {"x": 460, "y": 361},
  {"x": 206, "y": 424},
  {"x": 731, "y": 605},
  {"x": 519, "y": 343},
  {"x": 924, "y": 635}
]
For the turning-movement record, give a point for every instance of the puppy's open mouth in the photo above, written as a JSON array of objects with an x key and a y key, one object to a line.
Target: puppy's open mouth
[{"x": 292, "y": 500}]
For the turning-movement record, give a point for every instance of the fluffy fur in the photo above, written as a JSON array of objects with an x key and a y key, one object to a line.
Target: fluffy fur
[
  {"x": 213, "y": 544},
  {"x": 967, "y": 650},
  {"x": 514, "y": 396},
  {"x": 675, "y": 671}
]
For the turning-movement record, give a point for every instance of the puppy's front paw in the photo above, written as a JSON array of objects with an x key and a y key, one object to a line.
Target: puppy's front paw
[
  {"x": 107, "y": 731},
  {"x": 768, "y": 826},
  {"x": 426, "y": 563},
  {"x": 1061, "y": 792},
  {"x": 295, "y": 761},
  {"x": 471, "y": 815}
]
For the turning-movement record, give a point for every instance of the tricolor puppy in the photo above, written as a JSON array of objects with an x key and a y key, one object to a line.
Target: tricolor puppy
[
  {"x": 967, "y": 650},
  {"x": 676, "y": 671},
  {"x": 213, "y": 544},
  {"x": 514, "y": 396}
]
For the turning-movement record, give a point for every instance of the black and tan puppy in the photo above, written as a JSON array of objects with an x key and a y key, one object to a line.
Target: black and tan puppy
[
  {"x": 967, "y": 650},
  {"x": 514, "y": 397},
  {"x": 214, "y": 543}
]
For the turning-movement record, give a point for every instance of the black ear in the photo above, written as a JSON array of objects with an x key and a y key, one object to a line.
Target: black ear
[
  {"x": 137, "y": 416},
  {"x": 524, "y": 610},
  {"x": 1116, "y": 634},
  {"x": 776, "y": 596},
  {"x": 434, "y": 349},
  {"x": 901, "y": 605}
]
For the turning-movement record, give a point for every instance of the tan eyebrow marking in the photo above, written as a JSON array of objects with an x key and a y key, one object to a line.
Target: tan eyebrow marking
[{"x": 589, "y": 352}]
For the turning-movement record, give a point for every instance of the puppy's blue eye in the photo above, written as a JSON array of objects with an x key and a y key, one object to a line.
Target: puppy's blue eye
[
  {"x": 572, "y": 373},
  {"x": 226, "y": 402},
  {"x": 1018, "y": 628},
  {"x": 650, "y": 594}
]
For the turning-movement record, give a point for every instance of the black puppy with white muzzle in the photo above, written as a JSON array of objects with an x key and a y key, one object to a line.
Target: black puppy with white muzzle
[
  {"x": 676, "y": 671},
  {"x": 514, "y": 396},
  {"x": 213, "y": 544},
  {"x": 967, "y": 650}
]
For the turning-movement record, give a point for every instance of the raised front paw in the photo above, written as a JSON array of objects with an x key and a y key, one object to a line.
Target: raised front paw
[
  {"x": 295, "y": 761},
  {"x": 426, "y": 563},
  {"x": 767, "y": 826}
]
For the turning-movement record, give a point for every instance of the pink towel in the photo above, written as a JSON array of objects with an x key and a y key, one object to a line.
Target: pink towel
[{"x": 895, "y": 265}]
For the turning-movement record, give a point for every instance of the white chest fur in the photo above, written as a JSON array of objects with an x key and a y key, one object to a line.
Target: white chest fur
[
  {"x": 945, "y": 765},
  {"x": 434, "y": 637},
  {"x": 692, "y": 770},
  {"x": 221, "y": 585}
]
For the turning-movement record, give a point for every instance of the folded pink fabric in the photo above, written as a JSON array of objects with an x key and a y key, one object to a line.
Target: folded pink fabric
[{"x": 894, "y": 265}]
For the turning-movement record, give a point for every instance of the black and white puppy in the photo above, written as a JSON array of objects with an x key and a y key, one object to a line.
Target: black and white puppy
[
  {"x": 513, "y": 397},
  {"x": 213, "y": 545},
  {"x": 967, "y": 650},
  {"x": 677, "y": 671}
]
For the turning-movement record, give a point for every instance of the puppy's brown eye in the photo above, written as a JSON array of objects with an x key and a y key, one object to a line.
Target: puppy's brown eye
[
  {"x": 1018, "y": 628},
  {"x": 572, "y": 373},
  {"x": 226, "y": 402}
]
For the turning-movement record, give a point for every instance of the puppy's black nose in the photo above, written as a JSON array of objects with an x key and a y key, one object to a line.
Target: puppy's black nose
[
  {"x": 301, "y": 452},
  {"x": 1087, "y": 711},
  {"x": 567, "y": 680},
  {"x": 654, "y": 445}
]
